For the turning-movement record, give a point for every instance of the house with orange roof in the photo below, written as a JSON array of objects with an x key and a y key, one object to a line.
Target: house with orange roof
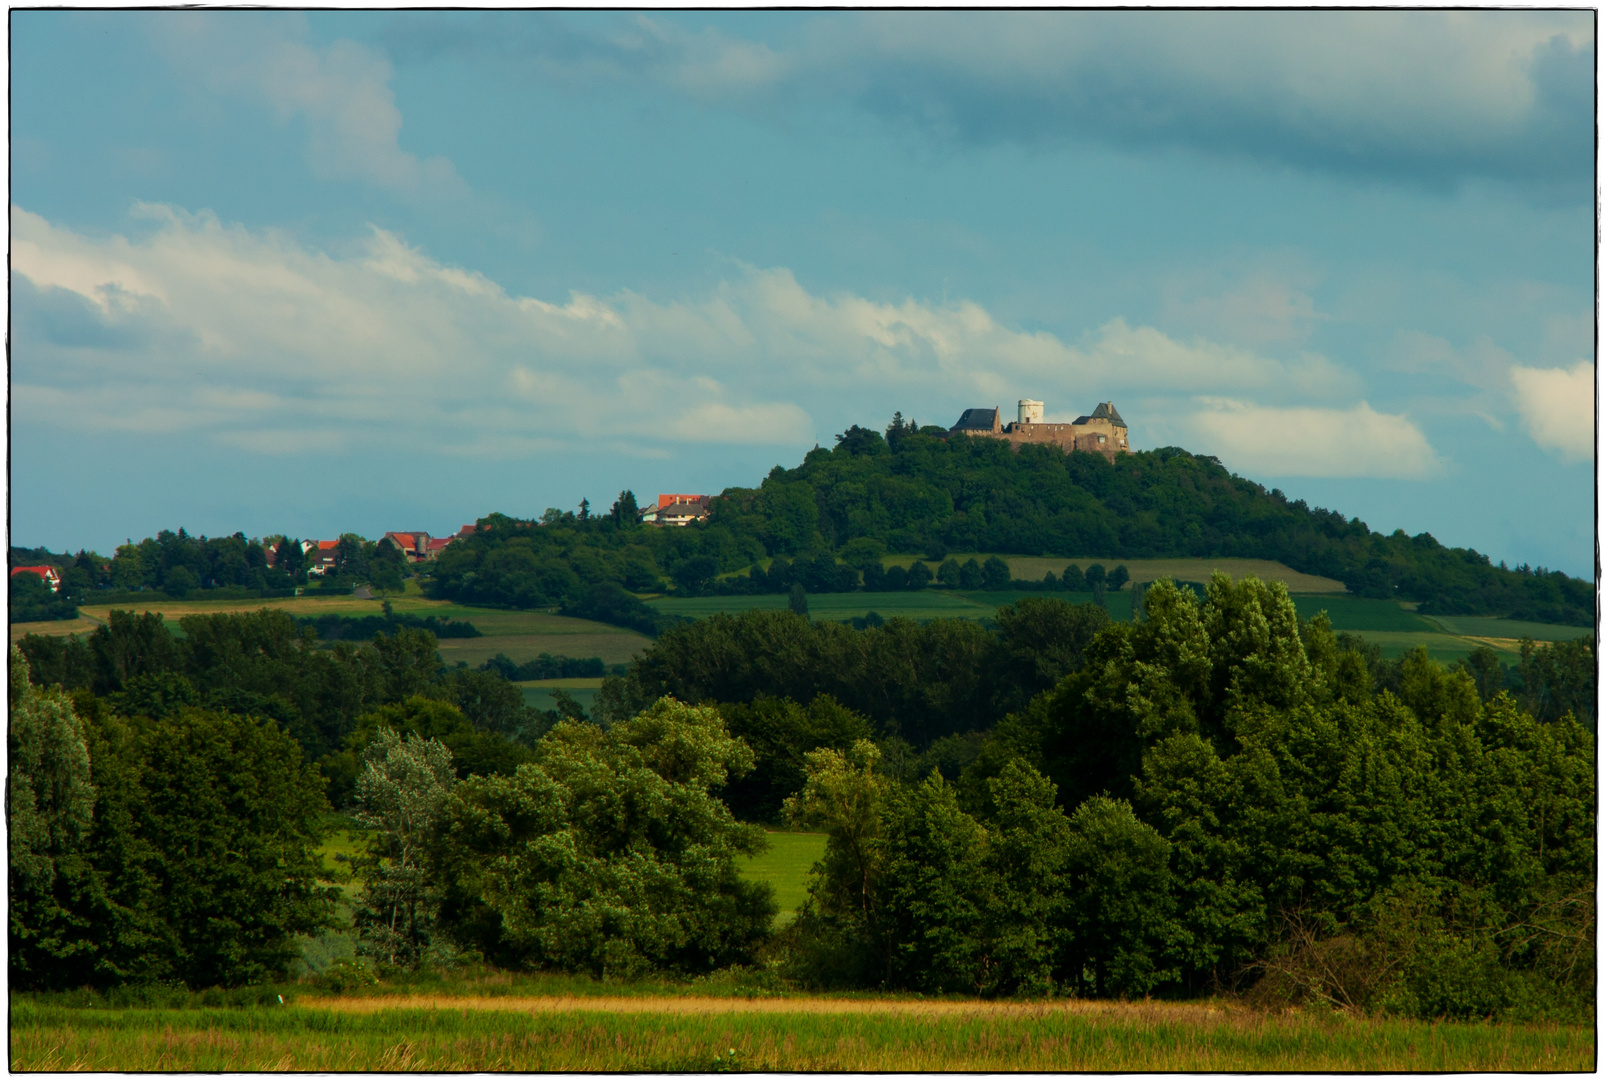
[{"x": 51, "y": 576}]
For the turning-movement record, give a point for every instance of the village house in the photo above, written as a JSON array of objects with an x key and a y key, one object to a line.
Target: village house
[
  {"x": 1103, "y": 432},
  {"x": 51, "y": 576},
  {"x": 319, "y": 556},
  {"x": 677, "y": 510}
]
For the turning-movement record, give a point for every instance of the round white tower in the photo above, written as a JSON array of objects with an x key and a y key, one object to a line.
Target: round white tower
[{"x": 1030, "y": 411}]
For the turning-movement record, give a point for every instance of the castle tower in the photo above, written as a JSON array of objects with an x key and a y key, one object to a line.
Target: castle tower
[{"x": 1030, "y": 411}]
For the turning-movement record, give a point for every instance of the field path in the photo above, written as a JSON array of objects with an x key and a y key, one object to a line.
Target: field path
[{"x": 707, "y": 1006}]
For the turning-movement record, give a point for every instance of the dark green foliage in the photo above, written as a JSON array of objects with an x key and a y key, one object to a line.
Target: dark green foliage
[
  {"x": 198, "y": 864},
  {"x": 176, "y": 563},
  {"x": 970, "y": 575},
  {"x": 1559, "y": 678},
  {"x": 1246, "y": 806},
  {"x": 607, "y": 602},
  {"x": 994, "y": 574},
  {"x": 917, "y": 681},
  {"x": 980, "y": 495},
  {"x": 546, "y": 666},
  {"x": 50, "y": 801},
  {"x": 1122, "y": 908},
  {"x": 32, "y": 601},
  {"x": 780, "y": 732},
  {"x": 609, "y": 853},
  {"x": 261, "y": 664},
  {"x": 798, "y": 601},
  {"x": 368, "y": 627},
  {"x": 474, "y": 750}
]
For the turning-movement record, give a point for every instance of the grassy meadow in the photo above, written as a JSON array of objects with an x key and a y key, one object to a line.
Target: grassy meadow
[
  {"x": 538, "y": 692},
  {"x": 786, "y": 865},
  {"x": 737, "y": 1031}
]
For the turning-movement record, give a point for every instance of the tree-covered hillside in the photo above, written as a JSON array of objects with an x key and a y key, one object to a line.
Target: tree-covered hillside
[{"x": 916, "y": 492}]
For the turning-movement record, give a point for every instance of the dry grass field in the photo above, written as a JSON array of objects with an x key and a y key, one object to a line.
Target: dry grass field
[{"x": 648, "y": 1033}]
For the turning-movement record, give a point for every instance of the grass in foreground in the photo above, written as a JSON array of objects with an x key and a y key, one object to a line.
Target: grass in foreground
[{"x": 646, "y": 1034}]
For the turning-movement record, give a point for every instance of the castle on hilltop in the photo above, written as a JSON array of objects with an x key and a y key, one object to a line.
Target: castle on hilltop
[{"x": 1101, "y": 433}]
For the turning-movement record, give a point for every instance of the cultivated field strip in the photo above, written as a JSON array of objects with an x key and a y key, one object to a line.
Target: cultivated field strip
[{"x": 704, "y": 1034}]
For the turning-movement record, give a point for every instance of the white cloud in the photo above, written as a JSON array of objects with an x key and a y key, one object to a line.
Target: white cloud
[
  {"x": 1352, "y": 442},
  {"x": 266, "y": 345},
  {"x": 1558, "y": 407}
]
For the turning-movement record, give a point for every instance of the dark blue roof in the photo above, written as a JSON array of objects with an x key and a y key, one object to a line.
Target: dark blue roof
[{"x": 976, "y": 420}]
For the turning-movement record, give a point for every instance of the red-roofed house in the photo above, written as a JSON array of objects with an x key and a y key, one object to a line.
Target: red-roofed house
[
  {"x": 677, "y": 510},
  {"x": 51, "y": 575},
  {"x": 414, "y": 545},
  {"x": 419, "y": 546},
  {"x": 320, "y": 556}
]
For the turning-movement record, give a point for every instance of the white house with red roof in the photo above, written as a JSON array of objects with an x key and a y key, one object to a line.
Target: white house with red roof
[
  {"x": 677, "y": 510},
  {"x": 51, "y": 576}
]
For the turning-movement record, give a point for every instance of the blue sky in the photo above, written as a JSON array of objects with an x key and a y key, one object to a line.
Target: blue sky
[{"x": 312, "y": 273}]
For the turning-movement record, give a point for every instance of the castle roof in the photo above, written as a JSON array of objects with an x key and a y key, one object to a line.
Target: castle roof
[
  {"x": 1106, "y": 411},
  {"x": 976, "y": 420}
]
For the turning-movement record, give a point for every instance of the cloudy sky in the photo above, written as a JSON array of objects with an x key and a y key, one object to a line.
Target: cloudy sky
[{"x": 311, "y": 273}]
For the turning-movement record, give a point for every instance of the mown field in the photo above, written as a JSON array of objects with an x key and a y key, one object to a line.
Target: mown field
[{"x": 738, "y": 1031}]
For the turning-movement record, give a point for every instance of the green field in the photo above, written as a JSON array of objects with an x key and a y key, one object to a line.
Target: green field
[
  {"x": 786, "y": 865},
  {"x": 1508, "y": 629},
  {"x": 1359, "y": 614},
  {"x": 926, "y": 604},
  {"x": 496, "y": 1030},
  {"x": 538, "y": 692}
]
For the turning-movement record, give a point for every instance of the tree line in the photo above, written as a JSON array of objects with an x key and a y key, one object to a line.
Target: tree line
[
  {"x": 1214, "y": 795},
  {"x": 180, "y": 566}
]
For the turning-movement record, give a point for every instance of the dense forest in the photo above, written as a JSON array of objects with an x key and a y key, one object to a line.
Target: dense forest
[{"x": 1213, "y": 796}]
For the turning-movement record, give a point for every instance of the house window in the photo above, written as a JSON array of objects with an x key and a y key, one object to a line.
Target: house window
[{"x": 1100, "y": 439}]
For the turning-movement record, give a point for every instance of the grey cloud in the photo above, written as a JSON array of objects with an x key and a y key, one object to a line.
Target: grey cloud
[
  {"x": 65, "y": 318},
  {"x": 1427, "y": 98}
]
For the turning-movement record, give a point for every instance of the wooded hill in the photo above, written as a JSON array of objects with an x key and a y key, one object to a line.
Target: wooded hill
[{"x": 913, "y": 491}]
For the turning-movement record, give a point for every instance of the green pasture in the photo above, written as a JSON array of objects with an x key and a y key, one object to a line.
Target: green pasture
[
  {"x": 584, "y": 1033},
  {"x": 1508, "y": 629},
  {"x": 1356, "y": 613},
  {"x": 786, "y": 865},
  {"x": 832, "y": 607},
  {"x": 538, "y": 692}
]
